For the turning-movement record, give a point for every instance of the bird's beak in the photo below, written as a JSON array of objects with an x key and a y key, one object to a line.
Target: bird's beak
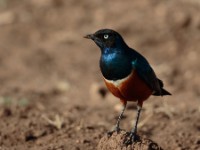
[{"x": 89, "y": 36}]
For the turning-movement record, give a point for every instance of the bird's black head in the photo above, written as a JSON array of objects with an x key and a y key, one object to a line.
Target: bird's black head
[{"x": 106, "y": 38}]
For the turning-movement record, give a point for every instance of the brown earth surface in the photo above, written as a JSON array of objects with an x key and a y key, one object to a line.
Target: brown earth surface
[
  {"x": 52, "y": 95},
  {"x": 117, "y": 142}
]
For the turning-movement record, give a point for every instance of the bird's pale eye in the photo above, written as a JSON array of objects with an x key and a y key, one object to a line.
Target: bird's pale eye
[{"x": 106, "y": 36}]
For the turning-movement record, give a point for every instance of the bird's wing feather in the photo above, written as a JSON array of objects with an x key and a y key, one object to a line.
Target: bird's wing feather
[{"x": 145, "y": 72}]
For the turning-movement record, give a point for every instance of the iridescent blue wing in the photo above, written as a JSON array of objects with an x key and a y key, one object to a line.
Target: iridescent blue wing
[{"x": 145, "y": 72}]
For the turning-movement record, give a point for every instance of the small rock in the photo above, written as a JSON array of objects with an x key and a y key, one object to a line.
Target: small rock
[
  {"x": 62, "y": 87},
  {"x": 118, "y": 107},
  {"x": 98, "y": 91},
  {"x": 6, "y": 18}
]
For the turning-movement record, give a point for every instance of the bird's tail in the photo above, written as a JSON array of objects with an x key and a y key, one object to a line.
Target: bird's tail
[{"x": 163, "y": 92}]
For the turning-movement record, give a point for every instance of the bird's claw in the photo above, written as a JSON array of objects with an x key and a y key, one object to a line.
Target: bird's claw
[
  {"x": 117, "y": 129},
  {"x": 131, "y": 138}
]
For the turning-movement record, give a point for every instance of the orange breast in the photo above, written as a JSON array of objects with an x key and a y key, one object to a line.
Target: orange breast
[{"x": 131, "y": 88}]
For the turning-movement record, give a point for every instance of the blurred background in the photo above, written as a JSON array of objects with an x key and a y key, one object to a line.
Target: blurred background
[{"x": 52, "y": 95}]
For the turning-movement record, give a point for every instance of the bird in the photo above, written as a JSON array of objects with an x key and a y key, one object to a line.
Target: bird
[{"x": 127, "y": 74}]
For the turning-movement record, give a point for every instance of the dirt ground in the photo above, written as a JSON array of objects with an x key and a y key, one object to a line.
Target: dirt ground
[{"x": 52, "y": 95}]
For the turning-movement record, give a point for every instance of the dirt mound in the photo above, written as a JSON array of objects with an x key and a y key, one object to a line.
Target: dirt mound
[{"x": 116, "y": 142}]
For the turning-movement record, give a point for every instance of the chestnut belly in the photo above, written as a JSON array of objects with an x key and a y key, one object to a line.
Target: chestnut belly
[{"x": 131, "y": 88}]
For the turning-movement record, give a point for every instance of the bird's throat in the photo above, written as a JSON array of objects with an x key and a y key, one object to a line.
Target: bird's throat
[{"x": 115, "y": 66}]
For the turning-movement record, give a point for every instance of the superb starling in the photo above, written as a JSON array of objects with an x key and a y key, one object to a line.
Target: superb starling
[{"x": 127, "y": 74}]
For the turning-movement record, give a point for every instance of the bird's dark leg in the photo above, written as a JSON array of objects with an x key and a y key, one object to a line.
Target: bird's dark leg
[
  {"x": 120, "y": 117},
  {"x": 117, "y": 128},
  {"x": 133, "y": 134}
]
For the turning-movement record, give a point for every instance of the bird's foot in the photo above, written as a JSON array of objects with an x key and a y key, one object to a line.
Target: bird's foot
[
  {"x": 116, "y": 129},
  {"x": 131, "y": 137}
]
